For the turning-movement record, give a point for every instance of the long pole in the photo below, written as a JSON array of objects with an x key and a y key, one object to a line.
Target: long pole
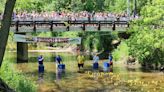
[
  {"x": 128, "y": 8},
  {"x": 135, "y": 8}
]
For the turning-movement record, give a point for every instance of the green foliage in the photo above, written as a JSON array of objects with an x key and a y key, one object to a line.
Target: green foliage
[
  {"x": 122, "y": 52},
  {"x": 97, "y": 41},
  {"x": 118, "y": 6},
  {"x": 2, "y": 5},
  {"x": 147, "y": 45},
  {"x": 11, "y": 44},
  {"x": 99, "y": 5},
  {"x": 44, "y": 34},
  {"x": 69, "y": 34},
  {"x": 147, "y": 40},
  {"x": 89, "y": 5},
  {"x": 31, "y": 5},
  {"x": 153, "y": 13},
  {"x": 16, "y": 80}
]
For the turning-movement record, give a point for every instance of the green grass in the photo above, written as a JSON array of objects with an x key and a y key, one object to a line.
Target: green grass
[
  {"x": 16, "y": 80},
  {"x": 121, "y": 52}
]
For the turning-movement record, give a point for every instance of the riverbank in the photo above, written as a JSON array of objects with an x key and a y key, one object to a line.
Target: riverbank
[{"x": 50, "y": 50}]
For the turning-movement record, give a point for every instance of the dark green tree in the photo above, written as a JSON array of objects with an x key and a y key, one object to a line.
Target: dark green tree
[
  {"x": 5, "y": 27},
  {"x": 147, "y": 42}
]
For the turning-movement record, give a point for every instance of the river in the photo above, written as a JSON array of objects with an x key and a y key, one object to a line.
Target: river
[{"x": 122, "y": 78}]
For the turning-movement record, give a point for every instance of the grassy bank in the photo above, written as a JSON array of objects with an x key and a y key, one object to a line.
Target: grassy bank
[
  {"x": 15, "y": 80},
  {"x": 122, "y": 52}
]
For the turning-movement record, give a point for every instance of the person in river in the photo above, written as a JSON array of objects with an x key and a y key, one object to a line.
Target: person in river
[
  {"x": 40, "y": 60},
  {"x": 110, "y": 59},
  {"x": 96, "y": 58},
  {"x": 80, "y": 60},
  {"x": 58, "y": 59}
]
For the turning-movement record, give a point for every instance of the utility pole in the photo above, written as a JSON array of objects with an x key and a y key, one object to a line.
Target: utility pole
[
  {"x": 135, "y": 8},
  {"x": 128, "y": 8}
]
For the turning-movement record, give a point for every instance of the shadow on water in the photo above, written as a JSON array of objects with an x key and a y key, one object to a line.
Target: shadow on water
[
  {"x": 51, "y": 76},
  {"x": 131, "y": 69}
]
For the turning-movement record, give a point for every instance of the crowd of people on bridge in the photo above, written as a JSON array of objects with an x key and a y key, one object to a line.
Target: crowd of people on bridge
[{"x": 72, "y": 16}]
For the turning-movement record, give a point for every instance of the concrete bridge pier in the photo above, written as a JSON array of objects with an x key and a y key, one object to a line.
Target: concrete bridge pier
[{"x": 22, "y": 52}]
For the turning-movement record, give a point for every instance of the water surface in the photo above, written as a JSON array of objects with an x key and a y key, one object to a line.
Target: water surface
[{"x": 123, "y": 78}]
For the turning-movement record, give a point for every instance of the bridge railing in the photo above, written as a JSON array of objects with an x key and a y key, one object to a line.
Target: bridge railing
[{"x": 67, "y": 24}]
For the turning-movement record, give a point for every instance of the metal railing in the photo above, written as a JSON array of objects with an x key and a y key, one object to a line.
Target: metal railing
[{"x": 52, "y": 24}]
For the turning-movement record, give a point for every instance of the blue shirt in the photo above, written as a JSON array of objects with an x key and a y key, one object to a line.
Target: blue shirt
[
  {"x": 40, "y": 59},
  {"x": 110, "y": 58},
  {"x": 58, "y": 58}
]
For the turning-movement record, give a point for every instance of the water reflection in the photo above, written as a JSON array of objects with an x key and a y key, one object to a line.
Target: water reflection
[
  {"x": 59, "y": 73},
  {"x": 40, "y": 78},
  {"x": 131, "y": 69},
  {"x": 108, "y": 69}
]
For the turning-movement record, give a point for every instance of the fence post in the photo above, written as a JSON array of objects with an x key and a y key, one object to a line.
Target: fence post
[
  {"x": 128, "y": 24},
  {"x": 68, "y": 25},
  {"x": 114, "y": 26},
  {"x": 17, "y": 26},
  {"x": 99, "y": 26},
  {"x": 83, "y": 26},
  {"x": 51, "y": 25},
  {"x": 34, "y": 24}
]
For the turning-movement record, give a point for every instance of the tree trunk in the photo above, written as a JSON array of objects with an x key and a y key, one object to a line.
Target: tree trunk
[
  {"x": 4, "y": 87},
  {"x": 5, "y": 28}
]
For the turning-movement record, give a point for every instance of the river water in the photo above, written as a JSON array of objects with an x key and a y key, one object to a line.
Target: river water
[{"x": 121, "y": 78}]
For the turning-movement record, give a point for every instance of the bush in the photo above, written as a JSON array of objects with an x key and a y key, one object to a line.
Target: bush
[
  {"x": 121, "y": 52},
  {"x": 16, "y": 80},
  {"x": 146, "y": 43},
  {"x": 147, "y": 46}
]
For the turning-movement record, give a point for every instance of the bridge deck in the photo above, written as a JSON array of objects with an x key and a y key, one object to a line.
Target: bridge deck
[{"x": 40, "y": 26}]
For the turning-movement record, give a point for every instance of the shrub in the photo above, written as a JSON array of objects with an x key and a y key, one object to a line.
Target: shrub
[
  {"x": 121, "y": 52},
  {"x": 16, "y": 80}
]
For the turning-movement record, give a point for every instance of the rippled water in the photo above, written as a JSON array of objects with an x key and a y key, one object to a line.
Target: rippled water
[{"x": 122, "y": 79}]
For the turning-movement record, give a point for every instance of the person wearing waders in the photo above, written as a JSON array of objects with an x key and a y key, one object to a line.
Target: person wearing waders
[
  {"x": 95, "y": 58},
  {"x": 95, "y": 61},
  {"x": 110, "y": 60},
  {"x": 58, "y": 59},
  {"x": 40, "y": 60},
  {"x": 41, "y": 66},
  {"x": 80, "y": 60}
]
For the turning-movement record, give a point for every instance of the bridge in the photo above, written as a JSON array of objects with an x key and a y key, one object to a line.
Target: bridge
[
  {"x": 55, "y": 26},
  {"x": 23, "y": 27}
]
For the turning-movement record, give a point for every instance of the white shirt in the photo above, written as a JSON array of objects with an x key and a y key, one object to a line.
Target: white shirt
[
  {"x": 40, "y": 59},
  {"x": 95, "y": 59}
]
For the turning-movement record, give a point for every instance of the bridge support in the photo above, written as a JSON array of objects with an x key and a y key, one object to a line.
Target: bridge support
[{"x": 22, "y": 52}]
